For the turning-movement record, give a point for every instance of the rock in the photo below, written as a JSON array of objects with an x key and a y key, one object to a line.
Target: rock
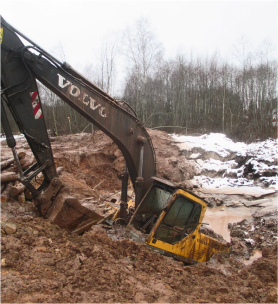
[
  {"x": 229, "y": 204},
  {"x": 178, "y": 269},
  {"x": 219, "y": 202},
  {"x": 265, "y": 212},
  {"x": 59, "y": 170},
  {"x": 256, "y": 202},
  {"x": 195, "y": 155},
  {"x": 41, "y": 249},
  {"x": 9, "y": 228},
  {"x": 223, "y": 290},
  {"x": 237, "y": 204},
  {"x": 266, "y": 204},
  {"x": 270, "y": 222},
  {"x": 251, "y": 191}
]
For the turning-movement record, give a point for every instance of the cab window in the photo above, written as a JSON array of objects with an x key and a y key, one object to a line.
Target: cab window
[{"x": 182, "y": 219}]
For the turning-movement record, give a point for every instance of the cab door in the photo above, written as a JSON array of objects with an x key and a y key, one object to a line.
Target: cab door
[{"x": 177, "y": 229}]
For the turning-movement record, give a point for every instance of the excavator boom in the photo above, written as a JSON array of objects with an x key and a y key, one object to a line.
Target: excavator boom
[{"x": 23, "y": 65}]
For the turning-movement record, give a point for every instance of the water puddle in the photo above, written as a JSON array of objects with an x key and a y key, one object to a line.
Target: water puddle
[
  {"x": 256, "y": 254},
  {"x": 219, "y": 218}
]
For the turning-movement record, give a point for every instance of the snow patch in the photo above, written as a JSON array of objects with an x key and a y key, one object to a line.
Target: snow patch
[
  {"x": 262, "y": 157},
  {"x": 250, "y": 241}
]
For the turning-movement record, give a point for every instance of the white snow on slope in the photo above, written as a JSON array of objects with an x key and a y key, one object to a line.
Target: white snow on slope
[
  {"x": 214, "y": 142},
  {"x": 262, "y": 156}
]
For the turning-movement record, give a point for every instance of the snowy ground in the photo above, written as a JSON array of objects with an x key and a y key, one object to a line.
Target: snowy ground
[{"x": 224, "y": 163}]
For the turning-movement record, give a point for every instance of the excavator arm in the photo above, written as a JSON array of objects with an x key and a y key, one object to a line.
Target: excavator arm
[{"x": 21, "y": 67}]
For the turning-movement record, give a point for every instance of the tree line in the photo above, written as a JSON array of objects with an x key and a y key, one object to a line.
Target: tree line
[
  {"x": 202, "y": 96},
  {"x": 187, "y": 94}
]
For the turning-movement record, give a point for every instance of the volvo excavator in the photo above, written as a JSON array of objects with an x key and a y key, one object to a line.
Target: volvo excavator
[{"x": 168, "y": 217}]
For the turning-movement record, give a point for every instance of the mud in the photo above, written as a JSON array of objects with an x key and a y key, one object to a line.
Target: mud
[
  {"x": 42, "y": 263},
  {"x": 225, "y": 216}
]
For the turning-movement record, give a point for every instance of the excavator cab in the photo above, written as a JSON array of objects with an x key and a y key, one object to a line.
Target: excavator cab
[
  {"x": 171, "y": 218},
  {"x": 152, "y": 204}
]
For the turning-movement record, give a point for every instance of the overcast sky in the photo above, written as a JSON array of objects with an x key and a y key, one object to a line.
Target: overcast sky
[{"x": 201, "y": 26}]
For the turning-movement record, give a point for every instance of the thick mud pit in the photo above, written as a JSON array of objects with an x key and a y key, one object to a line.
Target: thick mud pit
[{"x": 42, "y": 263}]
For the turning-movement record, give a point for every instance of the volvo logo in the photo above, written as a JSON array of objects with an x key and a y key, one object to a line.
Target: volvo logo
[{"x": 82, "y": 96}]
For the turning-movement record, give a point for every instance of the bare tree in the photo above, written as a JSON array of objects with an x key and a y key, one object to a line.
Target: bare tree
[
  {"x": 58, "y": 51},
  {"x": 144, "y": 53},
  {"x": 242, "y": 51},
  {"x": 107, "y": 62},
  {"x": 265, "y": 50}
]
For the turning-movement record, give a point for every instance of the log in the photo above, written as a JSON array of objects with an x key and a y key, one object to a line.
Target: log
[
  {"x": 12, "y": 168},
  {"x": 3, "y": 158},
  {"x": 21, "y": 154},
  {"x": 22, "y": 161},
  {"x": 28, "y": 164},
  {"x": 7, "y": 177},
  {"x": 59, "y": 170},
  {"x": 17, "y": 189},
  {"x": 6, "y": 193},
  {"x": 98, "y": 185},
  {"x": 6, "y": 163},
  {"x": 28, "y": 195},
  {"x": 21, "y": 198},
  {"x": 3, "y": 186}
]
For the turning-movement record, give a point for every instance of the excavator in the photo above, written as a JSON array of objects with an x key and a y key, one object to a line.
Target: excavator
[{"x": 168, "y": 217}]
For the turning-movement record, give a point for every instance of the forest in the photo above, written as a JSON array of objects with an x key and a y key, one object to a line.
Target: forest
[{"x": 190, "y": 93}]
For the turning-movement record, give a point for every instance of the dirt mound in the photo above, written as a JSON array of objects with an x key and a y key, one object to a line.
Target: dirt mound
[
  {"x": 92, "y": 159},
  {"x": 43, "y": 263},
  {"x": 171, "y": 163}
]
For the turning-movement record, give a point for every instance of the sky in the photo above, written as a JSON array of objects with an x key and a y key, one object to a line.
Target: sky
[{"x": 181, "y": 26}]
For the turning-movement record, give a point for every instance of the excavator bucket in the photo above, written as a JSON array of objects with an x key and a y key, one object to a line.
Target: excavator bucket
[{"x": 68, "y": 213}]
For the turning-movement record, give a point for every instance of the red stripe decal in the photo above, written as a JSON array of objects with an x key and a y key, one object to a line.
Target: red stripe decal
[{"x": 36, "y": 105}]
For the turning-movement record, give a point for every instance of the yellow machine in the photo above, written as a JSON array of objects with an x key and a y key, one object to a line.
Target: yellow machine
[{"x": 172, "y": 219}]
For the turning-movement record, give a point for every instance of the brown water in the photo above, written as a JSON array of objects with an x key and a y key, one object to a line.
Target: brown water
[{"x": 219, "y": 218}]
